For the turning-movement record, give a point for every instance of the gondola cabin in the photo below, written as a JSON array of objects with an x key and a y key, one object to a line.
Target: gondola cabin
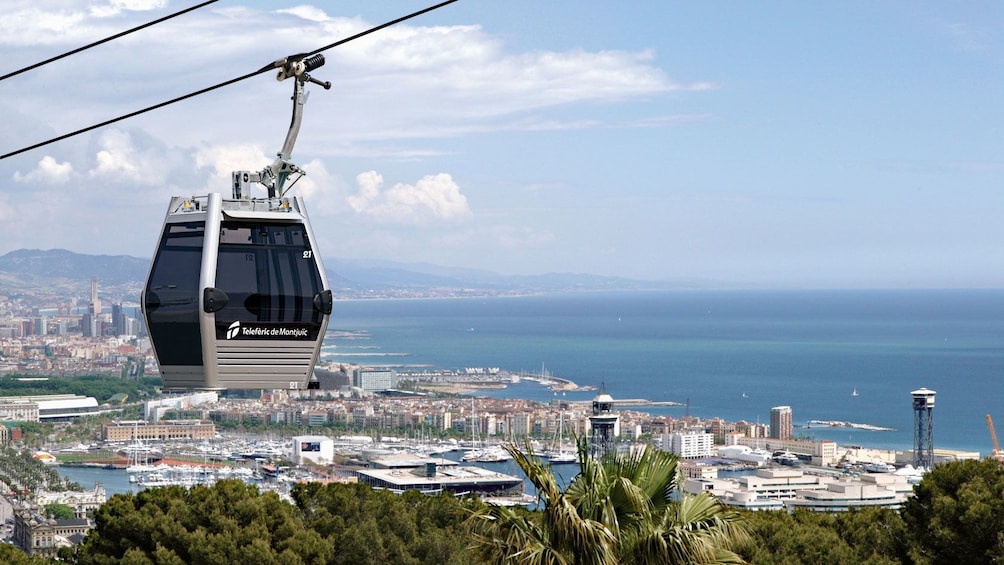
[{"x": 236, "y": 296}]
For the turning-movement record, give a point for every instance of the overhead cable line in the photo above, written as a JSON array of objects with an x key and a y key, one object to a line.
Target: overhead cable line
[
  {"x": 271, "y": 66},
  {"x": 299, "y": 56},
  {"x": 105, "y": 40}
]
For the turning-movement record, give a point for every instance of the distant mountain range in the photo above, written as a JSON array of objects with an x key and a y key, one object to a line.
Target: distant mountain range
[{"x": 56, "y": 267}]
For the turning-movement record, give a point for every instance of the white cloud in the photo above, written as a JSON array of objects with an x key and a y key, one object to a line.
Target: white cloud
[
  {"x": 117, "y": 156},
  {"x": 139, "y": 5},
  {"x": 54, "y": 22},
  {"x": 391, "y": 90},
  {"x": 309, "y": 13},
  {"x": 47, "y": 171},
  {"x": 473, "y": 71},
  {"x": 369, "y": 191},
  {"x": 126, "y": 164},
  {"x": 116, "y": 7},
  {"x": 30, "y": 26},
  {"x": 323, "y": 192},
  {"x": 225, "y": 159},
  {"x": 415, "y": 81},
  {"x": 434, "y": 197}
]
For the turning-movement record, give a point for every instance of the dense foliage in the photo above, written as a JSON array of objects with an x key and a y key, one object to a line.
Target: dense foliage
[
  {"x": 366, "y": 526},
  {"x": 10, "y": 555},
  {"x": 872, "y": 536},
  {"x": 957, "y": 516},
  {"x": 59, "y": 511},
  {"x": 231, "y": 522},
  {"x": 101, "y": 387}
]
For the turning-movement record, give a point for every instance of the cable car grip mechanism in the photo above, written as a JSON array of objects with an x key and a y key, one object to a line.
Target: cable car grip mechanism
[{"x": 274, "y": 176}]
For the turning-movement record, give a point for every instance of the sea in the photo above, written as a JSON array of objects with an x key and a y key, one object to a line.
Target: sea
[
  {"x": 836, "y": 355},
  {"x": 844, "y": 355}
]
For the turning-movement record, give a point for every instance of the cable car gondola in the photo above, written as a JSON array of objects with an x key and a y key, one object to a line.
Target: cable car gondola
[{"x": 236, "y": 296}]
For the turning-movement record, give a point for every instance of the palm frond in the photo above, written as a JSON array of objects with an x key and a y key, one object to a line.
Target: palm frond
[{"x": 615, "y": 510}]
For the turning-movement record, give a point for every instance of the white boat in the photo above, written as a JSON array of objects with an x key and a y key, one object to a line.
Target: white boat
[
  {"x": 854, "y": 392},
  {"x": 913, "y": 474},
  {"x": 559, "y": 453},
  {"x": 140, "y": 469},
  {"x": 480, "y": 452},
  {"x": 493, "y": 454},
  {"x": 561, "y": 456},
  {"x": 746, "y": 454},
  {"x": 787, "y": 458},
  {"x": 879, "y": 467}
]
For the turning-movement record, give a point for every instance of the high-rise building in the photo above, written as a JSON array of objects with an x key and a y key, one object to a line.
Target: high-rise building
[
  {"x": 87, "y": 325},
  {"x": 780, "y": 422},
  {"x": 118, "y": 320},
  {"x": 95, "y": 305}
]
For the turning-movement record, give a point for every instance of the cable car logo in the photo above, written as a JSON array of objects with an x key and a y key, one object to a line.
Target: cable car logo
[{"x": 269, "y": 331}]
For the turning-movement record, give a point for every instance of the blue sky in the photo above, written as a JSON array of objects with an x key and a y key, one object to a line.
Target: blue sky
[{"x": 727, "y": 144}]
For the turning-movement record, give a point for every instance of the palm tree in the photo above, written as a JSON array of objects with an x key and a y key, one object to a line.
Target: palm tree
[
  {"x": 616, "y": 510},
  {"x": 558, "y": 535}
]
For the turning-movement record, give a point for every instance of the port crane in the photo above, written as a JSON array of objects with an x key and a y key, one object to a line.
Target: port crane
[{"x": 997, "y": 453}]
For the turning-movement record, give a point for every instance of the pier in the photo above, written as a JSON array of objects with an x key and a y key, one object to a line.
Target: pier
[
  {"x": 644, "y": 402},
  {"x": 492, "y": 377},
  {"x": 839, "y": 424}
]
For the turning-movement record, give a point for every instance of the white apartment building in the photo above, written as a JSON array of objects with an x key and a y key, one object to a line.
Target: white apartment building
[
  {"x": 373, "y": 380},
  {"x": 689, "y": 445},
  {"x": 18, "y": 410}
]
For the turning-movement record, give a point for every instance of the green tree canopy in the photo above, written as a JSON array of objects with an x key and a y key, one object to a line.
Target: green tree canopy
[
  {"x": 366, "y": 526},
  {"x": 957, "y": 514},
  {"x": 10, "y": 555},
  {"x": 229, "y": 522},
  {"x": 870, "y": 536},
  {"x": 59, "y": 511}
]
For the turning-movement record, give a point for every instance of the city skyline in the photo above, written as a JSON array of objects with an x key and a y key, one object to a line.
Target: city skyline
[{"x": 726, "y": 146}]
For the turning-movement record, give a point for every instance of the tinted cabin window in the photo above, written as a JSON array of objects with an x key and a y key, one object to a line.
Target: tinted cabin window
[
  {"x": 268, "y": 273},
  {"x": 172, "y": 295}
]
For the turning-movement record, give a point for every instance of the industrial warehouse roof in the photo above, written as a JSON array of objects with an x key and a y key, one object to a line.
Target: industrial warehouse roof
[{"x": 451, "y": 478}]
